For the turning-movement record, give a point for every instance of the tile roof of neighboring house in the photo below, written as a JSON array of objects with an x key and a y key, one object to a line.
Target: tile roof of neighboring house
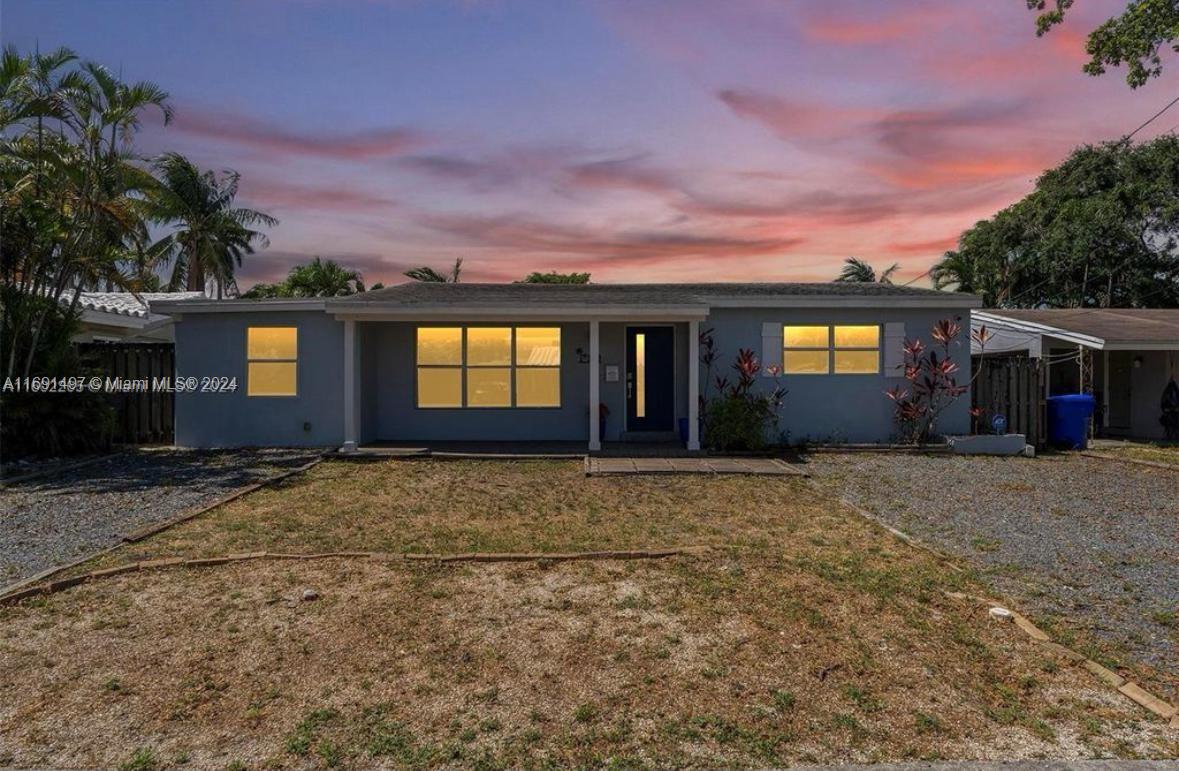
[
  {"x": 1113, "y": 325},
  {"x": 424, "y": 293},
  {"x": 126, "y": 303}
]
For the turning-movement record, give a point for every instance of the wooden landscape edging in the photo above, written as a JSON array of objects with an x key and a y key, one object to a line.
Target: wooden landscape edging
[
  {"x": 1135, "y": 461},
  {"x": 144, "y": 532},
  {"x": 1124, "y": 686},
  {"x": 200, "y": 562},
  {"x": 1130, "y": 690}
]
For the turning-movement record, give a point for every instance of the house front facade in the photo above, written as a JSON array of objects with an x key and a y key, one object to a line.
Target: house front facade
[{"x": 422, "y": 363}]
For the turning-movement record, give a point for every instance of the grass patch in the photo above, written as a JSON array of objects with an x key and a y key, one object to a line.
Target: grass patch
[{"x": 807, "y": 635}]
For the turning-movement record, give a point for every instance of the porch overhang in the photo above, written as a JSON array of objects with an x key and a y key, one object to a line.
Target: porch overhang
[{"x": 533, "y": 311}]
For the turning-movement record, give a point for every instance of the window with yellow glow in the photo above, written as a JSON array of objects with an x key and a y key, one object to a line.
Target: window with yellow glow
[
  {"x": 538, "y": 366},
  {"x": 806, "y": 350},
  {"x": 819, "y": 350},
  {"x": 857, "y": 350},
  {"x": 271, "y": 361},
  {"x": 488, "y": 367}
]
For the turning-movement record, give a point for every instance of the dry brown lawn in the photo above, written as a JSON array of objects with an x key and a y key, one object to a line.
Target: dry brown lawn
[
  {"x": 1156, "y": 453},
  {"x": 807, "y": 635}
]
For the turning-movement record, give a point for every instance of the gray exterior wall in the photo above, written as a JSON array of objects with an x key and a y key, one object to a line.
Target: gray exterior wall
[
  {"x": 389, "y": 408},
  {"x": 1145, "y": 389},
  {"x": 851, "y": 408},
  {"x": 835, "y": 408},
  {"x": 214, "y": 344}
]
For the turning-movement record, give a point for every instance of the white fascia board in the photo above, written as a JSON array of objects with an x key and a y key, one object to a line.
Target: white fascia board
[
  {"x": 108, "y": 319},
  {"x": 551, "y": 313},
  {"x": 951, "y": 300},
  {"x": 175, "y": 307},
  {"x": 1145, "y": 345},
  {"x": 1089, "y": 341}
]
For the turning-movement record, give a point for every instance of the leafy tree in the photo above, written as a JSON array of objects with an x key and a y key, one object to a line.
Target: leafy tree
[
  {"x": 1133, "y": 38},
  {"x": 1100, "y": 230},
  {"x": 857, "y": 271},
  {"x": 71, "y": 192},
  {"x": 376, "y": 286},
  {"x": 552, "y": 277},
  {"x": 209, "y": 235},
  {"x": 430, "y": 276},
  {"x": 318, "y": 278}
]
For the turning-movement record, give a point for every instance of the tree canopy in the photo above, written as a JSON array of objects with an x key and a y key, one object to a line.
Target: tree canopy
[
  {"x": 1100, "y": 230},
  {"x": 429, "y": 275},
  {"x": 857, "y": 271},
  {"x": 318, "y": 278},
  {"x": 1133, "y": 38},
  {"x": 552, "y": 277}
]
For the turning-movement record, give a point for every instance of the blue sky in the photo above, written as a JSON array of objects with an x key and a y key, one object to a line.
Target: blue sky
[{"x": 636, "y": 139}]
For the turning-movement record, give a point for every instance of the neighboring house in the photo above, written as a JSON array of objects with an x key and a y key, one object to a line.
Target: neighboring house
[
  {"x": 124, "y": 316},
  {"x": 1124, "y": 356},
  {"x": 518, "y": 362}
]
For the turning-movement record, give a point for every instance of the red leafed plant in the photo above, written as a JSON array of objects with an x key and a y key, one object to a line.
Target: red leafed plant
[
  {"x": 933, "y": 384},
  {"x": 741, "y": 415}
]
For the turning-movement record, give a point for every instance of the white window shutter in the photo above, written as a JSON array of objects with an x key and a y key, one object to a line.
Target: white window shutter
[
  {"x": 894, "y": 349},
  {"x": 771, "y": 347}
]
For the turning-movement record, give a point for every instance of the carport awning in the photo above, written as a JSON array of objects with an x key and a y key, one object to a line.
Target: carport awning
[{"x": 1103, "y": 329}]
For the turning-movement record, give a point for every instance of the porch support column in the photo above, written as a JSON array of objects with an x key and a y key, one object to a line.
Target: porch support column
[
  {"x": 595, "y": 441},
  {"x": 1105, "y": 388},
  {"x": 350, "y": 381},
  {"x": 693, "y": 385}
]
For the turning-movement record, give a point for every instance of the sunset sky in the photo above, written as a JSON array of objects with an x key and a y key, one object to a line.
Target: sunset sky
[{"x": 638, "y": 140}]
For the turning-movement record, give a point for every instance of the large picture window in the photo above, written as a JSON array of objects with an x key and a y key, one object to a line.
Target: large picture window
[
  {"x": 488, "y": 367},
  {"x": 271, "y": 361},
  {"x": 823, "y": 349}
]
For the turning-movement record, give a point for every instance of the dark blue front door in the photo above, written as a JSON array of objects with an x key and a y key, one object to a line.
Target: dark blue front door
[{"x": 650, "y": 378}]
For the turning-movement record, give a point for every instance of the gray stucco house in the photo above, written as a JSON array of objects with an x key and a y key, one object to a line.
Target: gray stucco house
[{"x": 427, "y": 362}]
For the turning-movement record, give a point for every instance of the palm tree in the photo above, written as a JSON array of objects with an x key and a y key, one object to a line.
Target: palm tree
[
  {"x": 431, "y": 276},
  {"x": 857, "y": 271},
  {"x": 72, "y": 192},
  {"x": 210, "y": 236},
  {"x": 323, "y": 278}
]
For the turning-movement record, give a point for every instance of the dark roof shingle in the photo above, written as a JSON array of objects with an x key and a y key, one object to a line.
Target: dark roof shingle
[
  {"x": 1113, "y": 325},
  {"x": 422, "y": 293}
]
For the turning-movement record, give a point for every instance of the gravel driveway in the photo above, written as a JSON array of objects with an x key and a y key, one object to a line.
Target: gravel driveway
[
  {"x": 1094, "y": 541},
  {"x": 57, "y": 519}
]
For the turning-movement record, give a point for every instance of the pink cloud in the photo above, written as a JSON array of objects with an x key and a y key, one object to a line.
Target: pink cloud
[
  {"x": 894, "y": 24},
  {"x": 933, "y": 247},
  {"x": 795, "y": 119},
  {"x": 269, "y": 138},
  {"x": 290, "y": 196},
  {"x": 531, "y": 235}
]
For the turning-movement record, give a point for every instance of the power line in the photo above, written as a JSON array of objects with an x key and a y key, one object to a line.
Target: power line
[{"x": 1152, "y": 118}]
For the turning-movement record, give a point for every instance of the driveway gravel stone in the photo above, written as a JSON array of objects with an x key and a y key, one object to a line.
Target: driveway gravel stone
[
  {"x": 1095, "y": 541},
  {"x": 57, "y": 519}
]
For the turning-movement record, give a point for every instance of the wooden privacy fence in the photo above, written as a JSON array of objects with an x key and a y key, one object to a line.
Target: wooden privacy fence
[
  {"x": 1011, "y": 386},
  {"x": 144, "y": 416}
]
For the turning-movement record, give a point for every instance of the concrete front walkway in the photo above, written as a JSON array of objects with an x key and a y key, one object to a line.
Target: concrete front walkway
[{"x": 596, "y": 466}]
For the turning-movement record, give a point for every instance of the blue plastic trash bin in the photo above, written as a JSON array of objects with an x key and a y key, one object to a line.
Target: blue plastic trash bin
[{"x": 1068, "y": 420}]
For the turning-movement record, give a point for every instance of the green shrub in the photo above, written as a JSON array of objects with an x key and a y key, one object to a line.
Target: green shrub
[
  {"x": 741, "y": 416},
  {"x": 736, "y": 423},
  {"x": 52, "y": 424}
]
